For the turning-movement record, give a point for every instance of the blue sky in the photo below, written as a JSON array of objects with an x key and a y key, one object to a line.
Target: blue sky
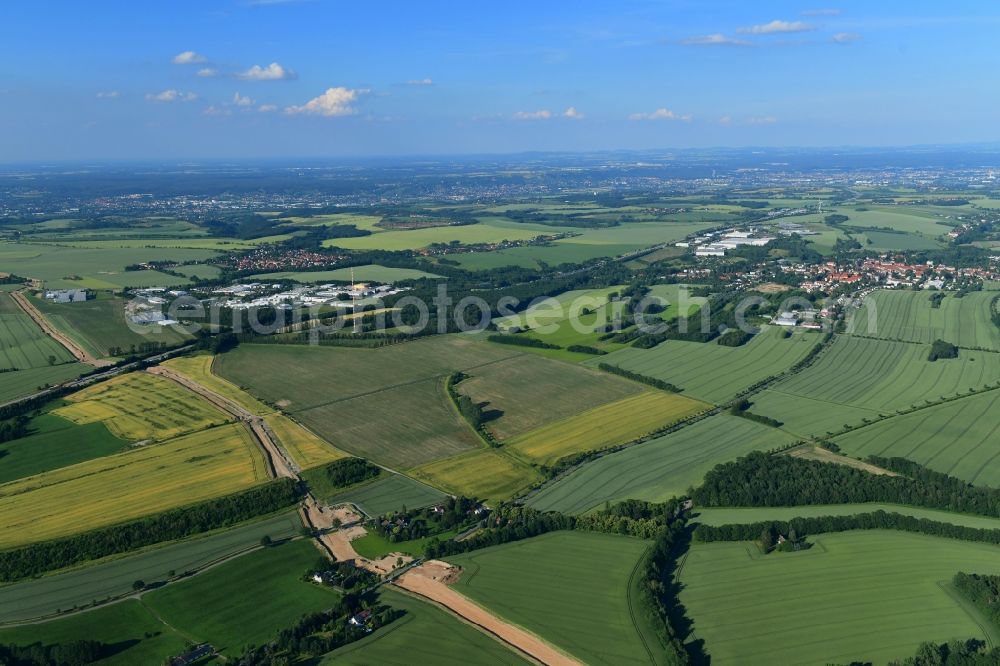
[{"x": 271, "y": 78}]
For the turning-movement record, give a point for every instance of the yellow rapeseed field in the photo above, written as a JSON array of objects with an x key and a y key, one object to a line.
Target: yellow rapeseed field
[
  {"x": 129, "y": 485},
  {"x": 140, "y": 406},
  {"x": 610, "y": 424}
]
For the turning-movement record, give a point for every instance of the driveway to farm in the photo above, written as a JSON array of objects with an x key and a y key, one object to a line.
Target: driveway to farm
[
  {"x": 76, "y": 350},
  {"x": 429, "y": 580}
]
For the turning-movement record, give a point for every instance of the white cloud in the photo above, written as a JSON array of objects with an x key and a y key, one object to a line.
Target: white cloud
[
  {"x": 726, "y": 120},
  {"x": 273, "y": 72},
  {"x": 208, "y": 72},
  {"x": 846, "y": 37},
  {"x": 188, "y": 58},
  {"x": 267, "y": 108},
  {"x": 171, "y": 95},
  {"x": 823, "y": 11},
  {"x": 242, "y": 100},
  {"x": 420, "y": 82},
  {"x": 761, "y": 120},
  {"x": 775, "y": 27},
  {"x": 541, "y": 114},
  {"x": 334, "y": 102},
  {"x": 108, "y": 94},
  {"x": 217, "y": 111},
  {"x": 717, "y": 39},
  {"x": 660, "y": 114},
  {"x": 571, "y": 112}
]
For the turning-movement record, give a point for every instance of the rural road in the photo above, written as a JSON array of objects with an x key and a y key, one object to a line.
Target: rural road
[
  {"x": 426, "y": 580},
  {"x": 74, "y": 349},
  {"x": 279, "y": 462}
]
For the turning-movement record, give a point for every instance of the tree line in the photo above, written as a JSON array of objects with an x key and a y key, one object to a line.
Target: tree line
[
  {"x": 45, "y": 556},
  {"x": 636, "y": 377}
]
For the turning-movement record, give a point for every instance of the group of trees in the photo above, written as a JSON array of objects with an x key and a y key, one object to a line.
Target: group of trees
[
  {"x": 740, "y": 408},
  {"x": 942, "y": 349},
  {"x": 636, "y": 377},
  {"x": 983, "y": 591},
  {"x": 759, "y": 479},
  {"x": 507, "y": 522},
  {"x": 45, "y": 556},
  {"x": 348, "y": 471},
  {"x": 520, "y": 340},
  {"x": 72, "y": 653},
  {"x": 14, "y": 428},
  {"x": 454, "y": 513}
]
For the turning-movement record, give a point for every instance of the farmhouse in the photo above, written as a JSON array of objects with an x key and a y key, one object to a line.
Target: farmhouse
[{"x": 786, "y": 319}]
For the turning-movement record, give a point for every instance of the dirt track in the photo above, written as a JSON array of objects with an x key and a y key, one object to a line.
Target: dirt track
[
  {"x": 426, "y": 580},
  {"x": 73, "y": 348}
]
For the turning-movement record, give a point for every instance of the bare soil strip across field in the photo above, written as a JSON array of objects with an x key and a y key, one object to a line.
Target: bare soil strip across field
[
  {"x": 808, "y": 452},
  {"x": 429, "y": 580},
  {"x": 43, "y": 323}
]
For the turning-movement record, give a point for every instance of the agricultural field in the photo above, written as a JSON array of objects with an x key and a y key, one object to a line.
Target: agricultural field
[
  {"x": 23, "y": 344},
  {"x": 62, "y": 267},
  {"x": 414, "y": 239},
  {"x": 141, "y": 407},
  {"x": 369, "y": 273},
  {"x": 602, "y": 427},
  {"x": 13, "y": 385},
  {"x": 198, "y": 368},
  {"x": 746, "y": 515},
  {"x": 121, "y": 487},
  {"x": 424, "y": 635},
  {"x": 858, "y": 378},
  {"x": 305, "y": 448},
  {"x": 78, "y": 587},
  {"x": 55, "y": 442},
  {"x": 99, "y": 324},
  {"x": 885, "y": 241},
  {"x": 907, "y": 315},
  {"x": 713, "y": 372},
  {"x": 214, "y": 606},
  {"x": 487, "y": 474},
  {"x": 139, "y": 636},
  {"x": 924, "y": 224},
  {"x": 526, "y": 392},
  {"x": 660, "y": 468},
  {"x": 387, "y": 494},
  {"x": 867, "y": 596},
  {"x": 570, "y": 588},
  {"x": 387, "y": 404},
  {"x": 957, "y": 437}
]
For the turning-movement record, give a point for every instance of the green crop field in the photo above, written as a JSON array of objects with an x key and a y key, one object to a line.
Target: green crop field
[
  {"x": 137, "y": 635},
  {"x": 713, "y": 372},
  {"x": 570, "y": 588},
  {"x": 140, "y": 406},
  {"x": 214, "y": 606},
  {"x": 414, "y": 239},
  {"x": 79, "y": 587},
  {"x": 388, "y": 494},
  {"x": 100, "y": 267},
  {"x": 882, "y": 241},
  {"x": 23, "y": 344},
  {"x": 905, "y": 221},
  {"x": 744, "y": 515},
  {"x": 124, "y": 486},
  {"x": 865, "y": 596},
  {"x": 424, "y": 635},
  {"x": 529, "y": 392},
  {"x": 369, "y": 273},
  {"x": 605, "y": 426},
  {"x": 387, "y": 404},
  {"x": 13, "y": 385},
  {"x": 908, "y": 315},
  {"x": 99, "y": 324},
  {"x": 55, "y": 442},
  {"x": 487, "y": 474},
  {"x": 957, "y": 437},
  {"x": 857, "y": 378},
  {"x": 658, "y": 469}
]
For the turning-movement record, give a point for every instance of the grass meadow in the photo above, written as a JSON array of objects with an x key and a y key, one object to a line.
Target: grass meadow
[
  {"x": 867, "y": 596},
  {"x": 426, "y": 634},
  {"x": 14, "y": 385},
  {"x": 213, "y": 606},
  {"x": 125, "y": 486},
  {"x": 660, "y": 468},
  {"x": 571, "y": 588},
  {"x": 390, "y": 493},
  {"x": 54, "y": 442}
]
